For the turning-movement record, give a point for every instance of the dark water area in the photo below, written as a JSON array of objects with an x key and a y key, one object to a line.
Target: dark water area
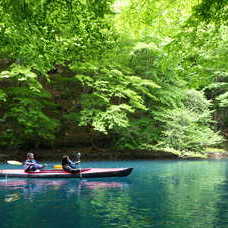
[{"x": 171, "y": 193}]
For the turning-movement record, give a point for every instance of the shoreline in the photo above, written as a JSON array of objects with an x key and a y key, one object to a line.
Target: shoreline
[{"x": 91, "y": 154}]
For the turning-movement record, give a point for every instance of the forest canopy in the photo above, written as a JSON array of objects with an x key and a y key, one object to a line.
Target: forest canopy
[{"x": 116, "y": 74}]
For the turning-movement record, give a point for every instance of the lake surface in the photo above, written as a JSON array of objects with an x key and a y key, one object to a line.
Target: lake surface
[{"x": 157, "y": 194}]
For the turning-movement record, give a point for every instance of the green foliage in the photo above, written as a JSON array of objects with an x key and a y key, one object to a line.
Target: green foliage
[
  {"x": 114, "y": 117},
  {"x": 212, "y": 11},
  {"x": 100, "y": 8},
  {"x": 187, "y": 131},
  {"x": 177, "y": 119},
  {"x": 111, "y": 97},
  {"x": 23, "y": 74},
  {"x": 2, "y": 96},
  {"x": 174, "y": 129},
  {"x": 24, "y": 119},
  {"x": 188, "y": 128},
  {"x": 223, "y": 100},
  {"x": 154, "y": 20},
  {"x": 140, "y": 133},
  {"x": 219, "y": 89},
  {"x": 143, "y": 56},
  {"x": 202, "y": 54},
  {"x": 42, "y": 34},
  {"x": 196, "y": 102},
  {"x": 31, "y": 123},
  {"x": 133, "y": 73}
]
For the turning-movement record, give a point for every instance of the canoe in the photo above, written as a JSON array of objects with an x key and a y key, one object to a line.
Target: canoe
[{"x": 84, "y": 173}]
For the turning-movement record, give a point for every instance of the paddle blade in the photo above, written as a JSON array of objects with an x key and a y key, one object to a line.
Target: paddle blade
[
  {"x": 14, "y": 163},
  {"x": 57, "y": 167}
]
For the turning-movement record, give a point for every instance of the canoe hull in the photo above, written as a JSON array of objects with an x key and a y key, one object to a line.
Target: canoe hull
[{"x": 84, "y": 173}]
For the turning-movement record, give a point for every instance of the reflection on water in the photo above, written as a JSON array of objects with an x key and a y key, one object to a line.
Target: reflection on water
[
  {"x": 28, "y": 188},
  {"x": 157, "y": 194}
]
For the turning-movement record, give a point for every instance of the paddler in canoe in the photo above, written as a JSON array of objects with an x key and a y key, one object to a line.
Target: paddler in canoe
[
  {"x": 31, "y": 165},
  {"x": 70, "y": 166}
]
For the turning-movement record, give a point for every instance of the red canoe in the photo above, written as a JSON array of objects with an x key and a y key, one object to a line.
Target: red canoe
[{"x": 84, "y": 173}]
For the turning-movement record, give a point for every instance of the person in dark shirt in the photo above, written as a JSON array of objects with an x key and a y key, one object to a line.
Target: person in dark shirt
[
  {"x": 69, "y": 166},
  {"x": 31, "y": 165}
]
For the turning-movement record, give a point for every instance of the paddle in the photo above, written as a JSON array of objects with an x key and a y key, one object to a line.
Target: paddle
[
  {"x": 78, "y": 157},
  {"x": 11, "y": 162},
  {"x": 57, "y": 167}
]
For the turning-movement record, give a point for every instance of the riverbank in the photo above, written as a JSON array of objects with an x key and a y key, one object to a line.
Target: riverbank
[
  {"x": 87, "y": 154},
  {"x": 92, "y": 154}
]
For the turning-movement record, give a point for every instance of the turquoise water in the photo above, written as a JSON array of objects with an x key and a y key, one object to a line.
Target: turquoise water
[{"x": 156, "y": 194}]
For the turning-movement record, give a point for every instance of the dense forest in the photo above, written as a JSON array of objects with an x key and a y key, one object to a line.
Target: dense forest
[{"x": 136, "y": 75}]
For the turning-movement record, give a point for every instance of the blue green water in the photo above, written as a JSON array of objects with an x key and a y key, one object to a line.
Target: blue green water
[{"x": 156, "y": 194}]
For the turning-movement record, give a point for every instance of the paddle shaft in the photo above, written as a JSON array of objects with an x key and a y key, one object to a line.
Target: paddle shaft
[{"x": 78, "y": 157}]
